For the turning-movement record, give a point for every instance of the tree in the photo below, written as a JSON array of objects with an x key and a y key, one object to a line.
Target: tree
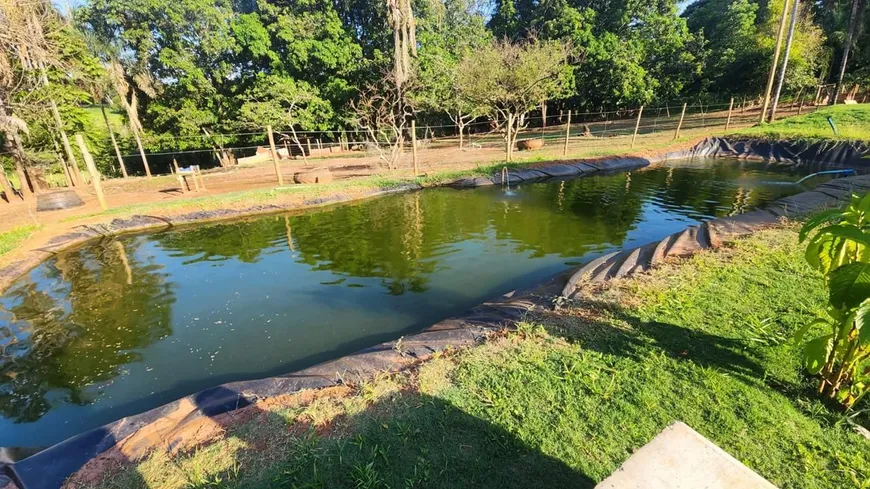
[
  {"x": 447, "y": 31},
  {"x": 383, "y": 113},
  {"x": 740, "y": 42},
  {"x": 186, "y": 45},
  {"x": 513, "y": 78},
  {"x": 847, "y": 45},
  {"x": 285, "y": 103},
  {"x": 43, "y": 61},
  {"x": 130, "y": 101}
]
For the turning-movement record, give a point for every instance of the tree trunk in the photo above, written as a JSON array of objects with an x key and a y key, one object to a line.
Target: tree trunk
[
  {"x": 5, "y": 186},
  {"x": 63, "y": 164},
  {"x": 13, "y": 144},
  {"x": 772, "y": 76},
  {"x": 67, "y": 147},
  {"x": 114, "y": 141},
  {"x": 847, "y": 45},
  {"x": 142, "y": 154},
  {"x": 35, "y": 185},
  {"x": 20, "y": 163},
  {"x": 794, "y": 14},
  {"x": 461, "y": 131},
  {"x": 135, "y": 126}
]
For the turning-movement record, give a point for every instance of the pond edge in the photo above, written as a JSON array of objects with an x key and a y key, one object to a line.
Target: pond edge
[{"x": 135, "y": 436}]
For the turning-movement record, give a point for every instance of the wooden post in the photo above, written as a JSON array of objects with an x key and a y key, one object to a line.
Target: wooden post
[
  {"x": 801, "y": 106},
  {"x": 680, "y": 124},
  {"x": 800, "y": 96},
  {"x": 274, "y": 156},
  {"x": 543, "y": 116},
  {"x": 507, "y": 148},
  {"x": 636, "y": 126},
  {"x": 199, "y": 175},
  {"x": 414, "y": 146},
  {"x": 567, "y": 134},
  {"x": 193, "y": 177},
  {"x": 743, "y": 106},
  {"x": 178, "y": 174},
  {"x": 308, "y": 142},
  {"x": 319, "y": 145},
  {"x": 728, "y": 120},
  {"x": 92, "y": 169}
]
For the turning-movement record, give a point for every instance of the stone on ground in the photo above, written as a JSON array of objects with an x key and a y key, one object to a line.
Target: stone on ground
[{"x": 680, "y": 458}]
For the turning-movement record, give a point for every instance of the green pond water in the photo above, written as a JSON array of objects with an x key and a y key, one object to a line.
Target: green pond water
[{"x": 123, "y": 326}]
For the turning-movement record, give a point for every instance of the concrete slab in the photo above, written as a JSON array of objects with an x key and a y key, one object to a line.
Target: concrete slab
[{"x": 680, "y": 458}]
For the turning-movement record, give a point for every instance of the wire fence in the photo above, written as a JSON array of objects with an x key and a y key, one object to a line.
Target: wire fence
[{"x": 439, "y": 146}]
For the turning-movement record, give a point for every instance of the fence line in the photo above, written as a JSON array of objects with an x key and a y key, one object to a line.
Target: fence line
[
  {"x": 444, "y": 136},
  {"x": 611, "y": 127}
]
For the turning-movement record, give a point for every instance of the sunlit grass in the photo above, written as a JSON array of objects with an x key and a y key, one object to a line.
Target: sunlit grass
[
  {"x": 566, "y": 399},
  {"x": 852, "y": 122},
  {"x": 9, "y": 240}
]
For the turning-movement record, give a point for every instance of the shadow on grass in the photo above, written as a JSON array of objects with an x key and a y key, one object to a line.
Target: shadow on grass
[
  {"x": 598, "y": 329},
  {"x": 403, "y": 440}
]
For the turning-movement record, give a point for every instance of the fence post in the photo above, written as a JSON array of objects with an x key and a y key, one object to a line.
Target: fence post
[
  {"x": 636, "y": 126},
  {"x": 680, "y": 124},
  {"x": 567, "y": 134},
  {"x": 274, "y": 156},
  {"x": 801, "y": 106},
  {"x": 92, "y": 169},
  {"x": 728, "y": 120},
  {"x": 180, "y": 176},
  {"x": 507, "y": 148},
  {"x": 414, "y": 145}
]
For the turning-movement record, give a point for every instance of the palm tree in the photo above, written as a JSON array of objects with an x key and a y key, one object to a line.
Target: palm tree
[{"x": 130, "y": 100}]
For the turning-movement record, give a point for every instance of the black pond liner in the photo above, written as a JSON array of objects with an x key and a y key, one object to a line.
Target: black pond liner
[{"x": 49, "y": 467}]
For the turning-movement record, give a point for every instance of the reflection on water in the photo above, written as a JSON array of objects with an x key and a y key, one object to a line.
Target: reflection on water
[{"x": 126, "y": 325}]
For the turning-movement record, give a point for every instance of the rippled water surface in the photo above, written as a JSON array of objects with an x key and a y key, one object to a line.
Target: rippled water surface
[{"x": 126, "y": 325}]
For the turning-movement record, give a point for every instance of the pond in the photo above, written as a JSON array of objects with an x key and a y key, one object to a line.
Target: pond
[{"x": 125, "y": 325}]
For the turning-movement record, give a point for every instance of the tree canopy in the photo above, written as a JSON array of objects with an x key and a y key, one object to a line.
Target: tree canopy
[{"x": 182, "y": 68}]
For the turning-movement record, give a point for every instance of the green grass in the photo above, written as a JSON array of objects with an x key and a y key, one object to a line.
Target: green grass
[
  {"x": 567, "y": 398},
  {"x": 852, "y": 121},
  {"x": 9, "y": 240}
]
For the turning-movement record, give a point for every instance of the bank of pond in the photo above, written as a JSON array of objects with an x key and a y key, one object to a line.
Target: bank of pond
[{"x": 124, "y": 325}]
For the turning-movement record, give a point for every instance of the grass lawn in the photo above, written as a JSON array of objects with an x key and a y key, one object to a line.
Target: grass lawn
[
  {"x": 565, "y": 400},
  {"x": 9, "y": 240},
  {"x": 852, "y": 121}
]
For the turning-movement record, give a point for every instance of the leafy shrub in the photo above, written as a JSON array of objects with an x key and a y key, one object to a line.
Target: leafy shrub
[{"x": 840, "y": 249}]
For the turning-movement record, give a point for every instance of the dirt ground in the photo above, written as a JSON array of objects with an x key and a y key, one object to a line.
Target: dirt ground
[{"x": 434, "y": 156}]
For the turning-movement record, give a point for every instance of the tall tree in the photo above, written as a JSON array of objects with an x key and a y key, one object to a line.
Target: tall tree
[
  {"x": 449, "y": 30},
  {"x": 847, "y": 46},
  {"x": 512, "y": 78}
]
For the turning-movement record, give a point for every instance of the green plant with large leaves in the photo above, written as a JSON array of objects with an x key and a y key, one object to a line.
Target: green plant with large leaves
[{"x": 839, "y": 247}]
